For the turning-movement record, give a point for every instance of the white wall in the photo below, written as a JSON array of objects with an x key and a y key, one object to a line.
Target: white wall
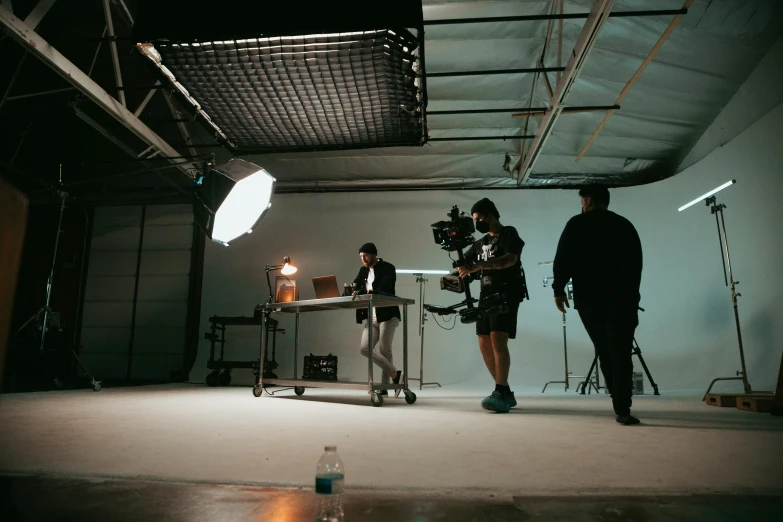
[
  {"x": 759, "y": 94},
  {"x": 687, "y": 334}
]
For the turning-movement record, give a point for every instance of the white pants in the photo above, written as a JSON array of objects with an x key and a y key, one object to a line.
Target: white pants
[{"x": 382, "y": 337}]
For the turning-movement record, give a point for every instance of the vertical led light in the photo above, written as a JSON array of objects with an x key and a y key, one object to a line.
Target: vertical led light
[{"x": 708, "y": 194}]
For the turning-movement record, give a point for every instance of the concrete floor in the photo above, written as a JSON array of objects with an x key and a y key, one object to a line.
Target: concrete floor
[
  {"x": 29, "y": 498},
  {"x": 445, "y": 444}
]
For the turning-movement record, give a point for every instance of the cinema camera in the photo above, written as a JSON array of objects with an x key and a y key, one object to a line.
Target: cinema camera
[{"x": 455, "y": 235}]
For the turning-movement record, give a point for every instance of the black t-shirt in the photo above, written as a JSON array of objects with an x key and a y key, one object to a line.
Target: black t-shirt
[{"x": 507, "y": 280}]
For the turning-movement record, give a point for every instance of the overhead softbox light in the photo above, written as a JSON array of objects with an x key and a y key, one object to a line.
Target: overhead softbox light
[
  {"x": 306, "y": 77},
  {"x": 231, "y": 199}
]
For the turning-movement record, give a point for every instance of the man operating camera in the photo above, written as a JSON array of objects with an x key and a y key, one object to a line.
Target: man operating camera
[{"x": 495, "y": 261}]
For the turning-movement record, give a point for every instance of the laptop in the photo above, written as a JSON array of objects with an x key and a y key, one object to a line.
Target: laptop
[{"x": 326, "y": 287}]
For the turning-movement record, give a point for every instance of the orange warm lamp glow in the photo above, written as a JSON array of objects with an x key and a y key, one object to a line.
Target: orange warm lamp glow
[{"x": 287, "y": 268}]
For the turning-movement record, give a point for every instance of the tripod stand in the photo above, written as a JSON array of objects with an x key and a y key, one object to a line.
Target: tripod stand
[
  {"x": 422, "y": 319},
  {"x": 567, "y": 375},
  {"x": 635, "y": 350},
  {"x": 44, "y": 316}
]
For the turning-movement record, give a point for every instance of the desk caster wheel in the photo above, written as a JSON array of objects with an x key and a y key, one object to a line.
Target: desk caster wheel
[
  {"x": 257, "y": 390},
  {"x": 376, "y": 399},
  {"x": 212, "y": 379},
  {"x": 299, "y": 390},
  {"x": 224, "y": 379},
  {"x": 410, "y": 397}
]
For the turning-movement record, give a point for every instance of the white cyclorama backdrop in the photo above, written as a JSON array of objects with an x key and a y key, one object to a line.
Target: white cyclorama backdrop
[{"x": 687, "y": 334}]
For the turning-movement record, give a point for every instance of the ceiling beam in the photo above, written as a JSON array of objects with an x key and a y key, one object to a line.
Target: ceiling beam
[
  {"x": 39, "y": 47},
  {"x": 119, "y": 143},
  {"x": 552, "y": 16},
  {"x": 528, "y": 70},
  {"x": 183, "y": 130},
  {"x": 38, "y": 13},
  {"x": 147, "y": 99},
  {"x": 584, "y": 44},
  {"x": 637, "y": 74},
  {"x": 521, "y": 112},
  {"x": 480, "y": 138}
]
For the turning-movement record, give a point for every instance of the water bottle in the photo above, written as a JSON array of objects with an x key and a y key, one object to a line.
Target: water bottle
[{"x": 329, "y": 483}]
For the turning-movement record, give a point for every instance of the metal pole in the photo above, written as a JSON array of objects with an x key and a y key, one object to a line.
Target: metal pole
[
  {"x": 421, "y": 281},
  {"x": 714, "y": 208},
  {"x": 525, "y": 111},
  {"x": 39, "y": 93},
  {"x": 478, "y": 138},
  {"x": 561, "y": 16},
  {"x": 136, "y": 293},
  {"x": 565, "y": 352},
  {"x": 262, "y": 357},
  {"x": 734, "y": 296},
  {"x": 296, "y": 346},
  {"x": 50, "y": 281},
  {"x": 405, "y": 346},
  {"x": 422, "y": 319},
  {"x": 97, "y": 50},
  {"x": 114, "y": 56},
  {"x": 495, "y": 71},
  {"x": 369, "y": 344}
]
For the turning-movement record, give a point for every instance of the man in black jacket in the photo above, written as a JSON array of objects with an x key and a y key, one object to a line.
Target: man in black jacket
[
  {"x": 495, "y": 259},
  {"x": 379, "y": 277},
  {"x": 601, "y": 252}
]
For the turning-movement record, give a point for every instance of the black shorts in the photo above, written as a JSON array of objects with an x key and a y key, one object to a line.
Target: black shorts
[{"x": 506, "y": 322}]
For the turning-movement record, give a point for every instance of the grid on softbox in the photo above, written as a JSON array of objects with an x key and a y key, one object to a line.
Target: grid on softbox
[{"x": 299, "y": 93}]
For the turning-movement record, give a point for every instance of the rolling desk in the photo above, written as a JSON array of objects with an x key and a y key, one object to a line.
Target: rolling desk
[{"x": 369, "y": 301}]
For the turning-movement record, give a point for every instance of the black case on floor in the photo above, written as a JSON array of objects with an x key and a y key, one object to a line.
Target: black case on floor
[{"x": 320, "y": 367}]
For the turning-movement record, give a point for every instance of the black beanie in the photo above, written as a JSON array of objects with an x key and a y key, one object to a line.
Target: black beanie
[
  {"x": 368, "y": 248},
  {"x": 485, "y": 206}
]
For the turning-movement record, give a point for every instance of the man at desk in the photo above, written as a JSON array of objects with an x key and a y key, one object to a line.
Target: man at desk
[{"x": 378, "y": 277}]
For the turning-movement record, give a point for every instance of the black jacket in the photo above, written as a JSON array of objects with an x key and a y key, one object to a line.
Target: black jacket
[
  {"x": 601, "y": 252},
  {"x": 385, "y": 280}
]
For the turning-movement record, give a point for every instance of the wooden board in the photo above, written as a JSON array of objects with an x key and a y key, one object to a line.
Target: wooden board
[
  {"x": 13, "y": 222},
  {"x": 722, "y": 400},
  {"x": 777, "y": 405},
  {"x": 760, "y": 403}
]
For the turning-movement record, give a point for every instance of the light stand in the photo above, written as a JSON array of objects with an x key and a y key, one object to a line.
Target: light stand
[
  {"x": 742, "y": 375},
  {"x": 567, "y": 374},
  {"x": 46, "y": 310},
  {"x": 422, "y": 319}
]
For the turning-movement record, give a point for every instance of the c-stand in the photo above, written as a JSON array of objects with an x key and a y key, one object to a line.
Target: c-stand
[
  {"x": 50, "y": 317},
  {"x": 742, "y": 375},
  {"x": 422, "y": 319},
  {"x": 568, "y": 375}
]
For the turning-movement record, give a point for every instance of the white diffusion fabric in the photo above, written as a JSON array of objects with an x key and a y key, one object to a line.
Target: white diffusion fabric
[{"x": 243, "y": 206}]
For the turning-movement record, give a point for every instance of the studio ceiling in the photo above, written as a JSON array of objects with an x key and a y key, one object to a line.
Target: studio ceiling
[{"x": 694, "y": 74}]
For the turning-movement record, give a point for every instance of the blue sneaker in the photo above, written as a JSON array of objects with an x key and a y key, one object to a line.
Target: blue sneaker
[
  {"x": 495, "y": 402},
  {"x": 510, "y": 400}
]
